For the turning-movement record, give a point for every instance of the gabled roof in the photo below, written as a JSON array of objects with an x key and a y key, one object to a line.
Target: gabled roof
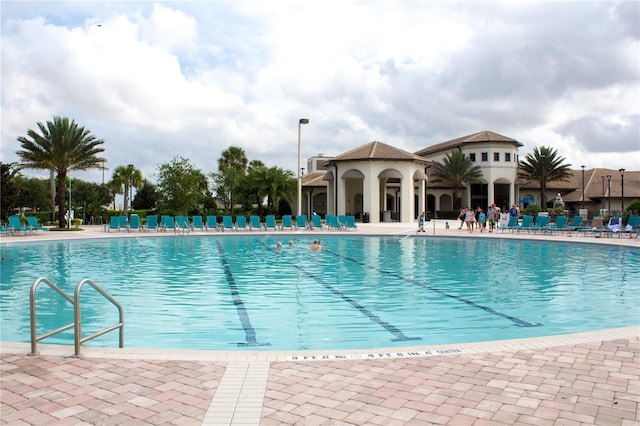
[
  {"x": 314, "y": 179},
  {"x": 480, "y": 137},
  {"x": 377, "y": 151}
]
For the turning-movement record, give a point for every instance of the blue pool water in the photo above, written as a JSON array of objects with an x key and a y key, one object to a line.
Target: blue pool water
[{"x": 238, "y": 292}]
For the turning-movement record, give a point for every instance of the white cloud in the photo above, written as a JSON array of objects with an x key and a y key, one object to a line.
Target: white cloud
[{"x": 157, "y": 80}]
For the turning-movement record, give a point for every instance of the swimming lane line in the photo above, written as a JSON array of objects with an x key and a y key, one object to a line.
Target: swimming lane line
[
  {"x": 395, "y": 331},
  {"x": 517, "y": 321},
  {"x": 249, "y": 331}
]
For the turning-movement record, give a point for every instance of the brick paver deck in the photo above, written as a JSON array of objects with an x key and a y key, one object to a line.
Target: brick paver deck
[{"x": 595, "y": 382}]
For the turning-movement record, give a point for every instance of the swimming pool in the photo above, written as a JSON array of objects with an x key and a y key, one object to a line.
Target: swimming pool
[{"x": 239, "y": 292}]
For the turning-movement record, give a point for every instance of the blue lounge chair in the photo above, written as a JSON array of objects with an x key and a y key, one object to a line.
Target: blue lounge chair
[
  {"x": 301, "y": 221},
  {"x": 525, "y": 225},
  {"x": 16, "y": 226},
  {"x": 633, "y": 225},
  {"x": 241, "y": 223},
  {"x": 541, "y": 224},
  {"x": 254, "y": 222},
  {"x": 227, "y": 223},
  {"x": 560, "y": 225},
  {"x": 212, "y": 223},
  {"x": 32, "y": 221},
  {"x": 575, "y": 224},
  {"x": 152, "y": 223},
  {"x": 134, "y": 223},
  {"x": 167, "y": 222},
  {"x": 286, "y": 222},
  {"x": 511, "y": 225},
  {"x": 124, "y": 225},
  {"x": 316, "y": 222},
  {"x": 351, "y": 223},
  {"x": 197, "y": 224},
  {"x": 114, "y": 224},
  {"x": 596, "y": 228},
  {"x": 270, "y": 223},
  {"x": 342, "y": 221},
  {"x": 332, "y": 222},
  {"x": 182, "y": 224}
]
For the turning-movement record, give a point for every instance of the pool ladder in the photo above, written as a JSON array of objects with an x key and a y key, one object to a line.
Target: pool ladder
[{"x": 77, "y": 315}]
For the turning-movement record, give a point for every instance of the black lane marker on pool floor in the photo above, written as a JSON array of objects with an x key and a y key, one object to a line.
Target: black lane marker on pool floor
[
  {"x": 399, "y": 335},
  {"x": 515, "y": 320},
  {"x": 250, "y": 333}
]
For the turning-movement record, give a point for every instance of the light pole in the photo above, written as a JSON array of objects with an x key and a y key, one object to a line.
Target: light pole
[
  {"x": 622, "y": 190},
  {"x": 544, "y": 205},
  {"x": 69, "y": 212},
  {"x": 583, "y": 186},
  {"x": 130, "y": 188},
  {"x": 300, "y": 123},
  {"x": 426, "y": 184},
  {"x": 609, "y": 191}
]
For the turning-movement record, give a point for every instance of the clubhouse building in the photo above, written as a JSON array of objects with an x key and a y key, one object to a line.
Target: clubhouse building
[{"x": 377, "y": 182}]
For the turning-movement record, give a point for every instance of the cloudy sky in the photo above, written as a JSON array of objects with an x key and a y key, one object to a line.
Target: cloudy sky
[{"x": 156, "y": 80}]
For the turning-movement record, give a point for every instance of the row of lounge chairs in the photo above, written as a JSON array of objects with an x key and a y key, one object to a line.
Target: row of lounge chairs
[
  {"x": 16, "y": 227},
  {"x": 181, "y": 224},
  {"x": 561, "y": 225}
]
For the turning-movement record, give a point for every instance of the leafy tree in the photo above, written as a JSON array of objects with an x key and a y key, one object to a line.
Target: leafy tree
[
  {"x": 126, "y": 177},
  {"x": 91, "y": 197},
  {"x": 181, "y": 185},
  {"x": 9, "y": 189},
  {"x": 232, "y": 166},
  {"x": 456, "y": 170},
  {"x": 544, "y": 165},
  {"x": 34, "y": 194},
  {"x": 147, "y": 196},
  {"x": 61, "y": 145}
]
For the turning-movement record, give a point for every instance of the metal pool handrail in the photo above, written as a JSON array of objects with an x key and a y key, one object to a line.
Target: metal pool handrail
[{"x": 77, "y": 315}]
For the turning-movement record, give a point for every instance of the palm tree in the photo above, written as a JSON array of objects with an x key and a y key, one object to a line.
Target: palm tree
[
  {"x": 232, "y": 166},
  {"x": 127, "y": 177},
  {"x": 61, "y": 145},
  {"x": 456, "y": 170},
  {"x": 280, "y": 184},
  {"x": 544, "y": 165}
]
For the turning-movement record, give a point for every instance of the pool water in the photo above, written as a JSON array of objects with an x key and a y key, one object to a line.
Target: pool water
[{"x": 239, "y": 292}]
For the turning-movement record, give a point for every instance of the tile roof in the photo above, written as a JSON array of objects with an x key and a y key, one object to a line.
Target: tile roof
[
  {"x": 479, "y": 137},
  {"x": 378, "y": 151},
  {"x": 314, "y": 179}
]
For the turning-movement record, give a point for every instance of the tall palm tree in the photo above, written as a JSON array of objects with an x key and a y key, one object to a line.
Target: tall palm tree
[
  {"x": 127, "y": 177},
  {"x": 456, "y": 170},
  {"x": 280, "y": 184},
  {"x": 61, "y": 145},
  {"x": 544, "y": 165}
]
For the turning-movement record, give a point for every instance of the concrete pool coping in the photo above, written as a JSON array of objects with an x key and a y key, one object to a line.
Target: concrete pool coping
[{"x": 590, "y": 377}]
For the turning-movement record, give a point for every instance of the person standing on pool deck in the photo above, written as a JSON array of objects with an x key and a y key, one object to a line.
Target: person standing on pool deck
[
  {"x": 492, "y": 215},
  {"x": 421, "y": 223}
]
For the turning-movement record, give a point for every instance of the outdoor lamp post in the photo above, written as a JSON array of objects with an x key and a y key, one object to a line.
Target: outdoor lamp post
[
  {"x": 583, "y": 186},
  {"x": 426, "y": 184},
  {"x": 300, "y": 123},
  {"x": 622, "y": 189},
  {"x": 130, "y": 187},
  {"x": 609, "y": 191},
  {"x": 544, "y": 205}
]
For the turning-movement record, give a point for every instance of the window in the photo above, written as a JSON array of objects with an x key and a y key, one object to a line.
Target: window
[
  {"x": 472, "y": 156},
  {"x": 507, "y": 156},
  {"x": 485, "y": 156},
  {"x": 496, "y": 156}
]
